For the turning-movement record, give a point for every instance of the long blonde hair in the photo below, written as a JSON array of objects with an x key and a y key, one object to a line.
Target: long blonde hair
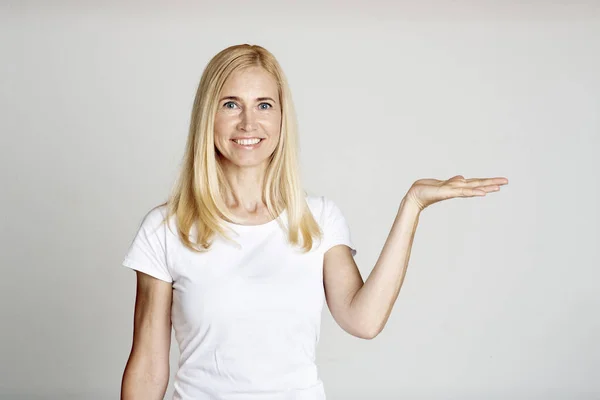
[{"x": 197, "y": 198}]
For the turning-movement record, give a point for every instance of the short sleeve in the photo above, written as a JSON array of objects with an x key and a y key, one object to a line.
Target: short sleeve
[
  {"x": 335, "y": 228},
  {"x": 147, "y": 252}
]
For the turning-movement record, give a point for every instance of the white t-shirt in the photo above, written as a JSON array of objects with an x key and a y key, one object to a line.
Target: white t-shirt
[{"x": 247, "y": 319}]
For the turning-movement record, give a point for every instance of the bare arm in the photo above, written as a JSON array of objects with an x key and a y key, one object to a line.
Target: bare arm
[
  {"x": 374, "y": 301},
  {"x": 146, "y": 374},
  {"x": 362, "y": 309}
]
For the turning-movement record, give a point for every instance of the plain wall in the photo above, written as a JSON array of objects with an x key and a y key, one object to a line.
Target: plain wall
[{"x": 501, "y": 296}]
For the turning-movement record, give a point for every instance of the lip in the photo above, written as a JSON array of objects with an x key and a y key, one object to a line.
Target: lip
[{"x": 246, "y": 137}]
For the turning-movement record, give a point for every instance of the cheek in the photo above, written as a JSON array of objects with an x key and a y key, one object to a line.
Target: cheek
[
  {"x": 223, "y": 128},
  {"x": 220, "y": 134},
  {"x": 220, "y": 126},
  {"x": 274, "y": 126}
]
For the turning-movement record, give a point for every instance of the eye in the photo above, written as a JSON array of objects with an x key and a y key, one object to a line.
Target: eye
[
  {"x": 229, "y": 102},
  {"x": 265, "y": 104}
]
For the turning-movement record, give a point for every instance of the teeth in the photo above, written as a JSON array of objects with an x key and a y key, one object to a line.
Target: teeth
[{"x": 246, "y": 142}]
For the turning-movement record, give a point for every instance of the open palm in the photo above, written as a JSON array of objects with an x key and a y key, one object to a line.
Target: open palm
[{"x": 426, "y": 192}]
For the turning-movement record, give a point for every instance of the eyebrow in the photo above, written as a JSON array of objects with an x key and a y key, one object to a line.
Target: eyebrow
[{"x": 240, "y": 100}]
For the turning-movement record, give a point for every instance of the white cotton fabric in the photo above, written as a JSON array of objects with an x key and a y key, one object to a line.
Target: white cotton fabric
[{"x": 247, "y": 319}]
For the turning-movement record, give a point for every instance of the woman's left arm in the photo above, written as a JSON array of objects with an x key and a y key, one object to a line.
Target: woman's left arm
[{"x": 363, "y": 309}]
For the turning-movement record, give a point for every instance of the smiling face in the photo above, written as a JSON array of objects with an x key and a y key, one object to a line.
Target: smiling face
[{"x": 248, "y": 119}]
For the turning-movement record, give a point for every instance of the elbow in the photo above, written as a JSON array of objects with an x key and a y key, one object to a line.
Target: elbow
[
  {"x": 372, "y": 334},
  {"x": 368, "y": 332}
]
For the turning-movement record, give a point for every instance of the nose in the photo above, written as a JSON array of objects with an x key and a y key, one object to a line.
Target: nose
[{"x": 248, "y": 120}]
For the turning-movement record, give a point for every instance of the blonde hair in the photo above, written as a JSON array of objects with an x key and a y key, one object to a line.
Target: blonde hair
[{"x": 197, "y": 198}]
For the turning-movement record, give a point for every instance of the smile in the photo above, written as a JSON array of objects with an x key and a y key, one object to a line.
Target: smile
[{"x": 248, "y": 143}]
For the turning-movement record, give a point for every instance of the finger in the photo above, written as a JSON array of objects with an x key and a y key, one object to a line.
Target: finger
[
  {"x": 470, "y": 192},
  {"x": 489, "y": 188},
  {"x": 474, "y": 182},
  {"x": 485, "y": 189}
]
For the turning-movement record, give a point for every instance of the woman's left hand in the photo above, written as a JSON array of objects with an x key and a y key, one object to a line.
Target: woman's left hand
[{"x": 426, "y": 192}]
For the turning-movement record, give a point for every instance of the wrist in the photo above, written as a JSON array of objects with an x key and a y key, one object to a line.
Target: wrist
[{"x": 409, "y": 205}]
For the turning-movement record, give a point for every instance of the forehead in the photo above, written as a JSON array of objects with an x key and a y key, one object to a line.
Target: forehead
[{"x": 253, "y": 82}]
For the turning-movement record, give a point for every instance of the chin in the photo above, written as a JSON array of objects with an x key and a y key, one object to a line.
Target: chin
[{"x": 247, "y": 163}]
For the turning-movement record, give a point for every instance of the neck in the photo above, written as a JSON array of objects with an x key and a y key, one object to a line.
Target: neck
[{"x": 246, "y": 187}]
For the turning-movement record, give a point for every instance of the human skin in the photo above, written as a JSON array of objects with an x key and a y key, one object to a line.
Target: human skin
[
  {"x": 248, "y": 107},
  {"x": 363, "y": 308}
]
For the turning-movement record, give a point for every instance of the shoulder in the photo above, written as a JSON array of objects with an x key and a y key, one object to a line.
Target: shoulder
[
  {"x": 153, "y": 219},
  {"x": 316, "y": 203},
  {"x": 322, "y": 207}
]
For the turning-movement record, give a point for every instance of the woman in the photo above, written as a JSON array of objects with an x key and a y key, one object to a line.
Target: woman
[{"x": 240, "y": 260}]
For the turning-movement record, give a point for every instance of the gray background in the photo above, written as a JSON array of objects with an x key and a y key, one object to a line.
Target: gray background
[{"x": 501, "y": 296}]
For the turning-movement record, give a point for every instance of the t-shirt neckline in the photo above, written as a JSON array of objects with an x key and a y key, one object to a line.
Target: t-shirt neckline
[{"x": 266, "y": 225}]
